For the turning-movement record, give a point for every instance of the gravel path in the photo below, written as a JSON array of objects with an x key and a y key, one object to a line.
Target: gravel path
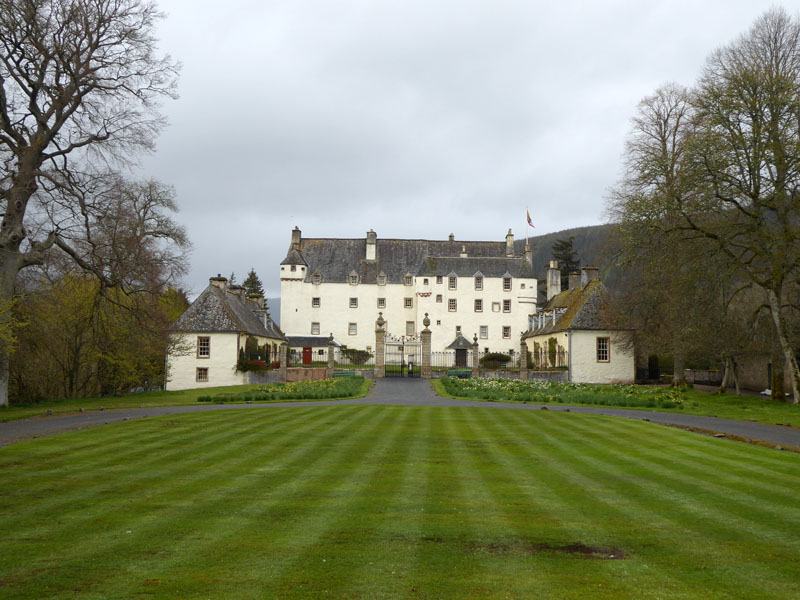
[{"x": 398, "y": 392}]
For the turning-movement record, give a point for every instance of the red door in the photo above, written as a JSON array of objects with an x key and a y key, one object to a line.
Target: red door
[{"x": 306, "y": 356}]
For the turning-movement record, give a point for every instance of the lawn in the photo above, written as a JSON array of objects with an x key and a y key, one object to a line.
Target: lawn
[
  {"x": 396, "y": 502},
  {"x": 239, "y": 393},
  {"x": 690, "y": 401}
]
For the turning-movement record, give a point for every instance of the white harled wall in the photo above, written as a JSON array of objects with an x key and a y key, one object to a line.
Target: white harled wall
[
  {"x": 334, "y": 313},
  {"x": 221, "y": 363},
  {"x": 585, "y": 367}
]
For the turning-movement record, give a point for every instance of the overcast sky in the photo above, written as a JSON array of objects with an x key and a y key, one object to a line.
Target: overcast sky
[{"x": 414, "y": 118}]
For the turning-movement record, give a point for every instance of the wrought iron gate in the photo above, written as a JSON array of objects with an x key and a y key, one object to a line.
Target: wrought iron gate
[{"x": 403, "y": 359}]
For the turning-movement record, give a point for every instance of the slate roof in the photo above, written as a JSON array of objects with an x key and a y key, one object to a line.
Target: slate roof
[
  {"x": 335, "y": 259},
  {"x": 309, "y": 341},
  {"x": 581, "y": 308},
  {"x": 220, "y": 311},
  {"x": 460, "y": 343},
  {"x": 469, "y": 266}
]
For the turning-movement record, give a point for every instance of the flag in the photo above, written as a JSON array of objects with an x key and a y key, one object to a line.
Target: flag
[{"x": 530, "y": 222}]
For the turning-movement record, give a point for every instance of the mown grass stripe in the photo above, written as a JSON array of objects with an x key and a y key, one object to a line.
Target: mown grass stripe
[
  {"x": 688, "y": 475},
  {"x": 88, "y": 483},
  {"x": 182, "y": 507},
  {"x": 586, "y": 506},
  {"x": 287, "y": 536},
  {"x": 354, "y": 518},
  {"x": 701, "y": 526}
]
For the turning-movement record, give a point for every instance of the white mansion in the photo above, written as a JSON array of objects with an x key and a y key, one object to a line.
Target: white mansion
[{"x": 338, "y": 286}]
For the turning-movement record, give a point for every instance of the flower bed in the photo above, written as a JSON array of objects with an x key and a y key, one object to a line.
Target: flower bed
[
  {"x": 544, "y": 392},
  {"x": 298, "y": 390}
]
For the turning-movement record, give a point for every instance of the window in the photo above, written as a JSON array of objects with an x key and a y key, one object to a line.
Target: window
[
  {"x": 381, "y": 279},
  {"x": 484, "y": 330},
  {"x": 353, "y": 302},
  {"x": 495, "y": 307},
  {"x": 451, "y": 305},
  {"x": 506, "y": 305},
  {"x": 458, "y": 330},
  {"x": 353, "y": 279},
  {"x": 425, "y": 281},
  {"x": 439, "y": 279},
  {"x": 321, "y": 352},
  {"x": 408, "y": 303},
  {"x": 408, "y": 280},
  {"x": 438, "y": 321},
  {"x": 602, "y": 349},
  {"x": 506, "y": 332},
  {"x": 478, "y": 305},
  {"x": 438, "y": 297},
  {"x": 201, "y": 374},
  {"x": 381, "y": 302},
  {"x": 203, "y": 346},
  {"x": 352, "y": 329},
  {"x": 506, "y": 284},
  {"x": 316, "y": 279},
  {"x": 451, "y": 283},
  {"x": 522, "y": 286},
  {"x": 479, "y": 283},
  {"x": 294, "y": 268},
  {"x": 315, "y": 329},
  {"x": 315, "y": 303},
  {"x": 409, "y": 327}
]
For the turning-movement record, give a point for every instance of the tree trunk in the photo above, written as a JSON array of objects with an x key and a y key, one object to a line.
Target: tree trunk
[
  {"x": 8, "y": 278},
  {"x": 678, "y": 366},
  {"x": 777, "y": 388},
  {"x": 725, "y": 375},
  {"x": 788, "y": 352},
  {"x": 735, "y": 377}
]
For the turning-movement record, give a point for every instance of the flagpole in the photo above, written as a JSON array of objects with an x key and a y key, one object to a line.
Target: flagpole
[{"x": 527, "y": 212}]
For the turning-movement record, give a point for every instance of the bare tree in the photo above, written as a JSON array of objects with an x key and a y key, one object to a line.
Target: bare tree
[
  {"x": 722, "y": 163},
  {"x": 747, "y": 154},
  {"x": 79, "y": 91}
]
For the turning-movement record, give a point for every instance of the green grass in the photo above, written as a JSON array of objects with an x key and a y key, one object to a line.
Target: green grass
[
  {"x": 148, "y": 399},
  {"x": 325, "y": 389},
  {"x": 689, "y": 401},
  {"x": 396, "y": 502}
]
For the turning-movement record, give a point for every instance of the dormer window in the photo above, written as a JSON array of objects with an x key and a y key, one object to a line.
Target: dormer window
[
  {"x": 382, "y": 279},
  {"x": 507, "y": 284},
  {"x": 316, "y": 278},
  {"x": 408, "y": 280},
  {"x": 452, "y": 282},
  {"x": 353, "y": 278},
  {"x": 478, "y": 283}
]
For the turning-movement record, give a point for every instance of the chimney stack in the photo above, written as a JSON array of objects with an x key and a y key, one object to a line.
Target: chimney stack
[
  {"x": 296, "y": 238},
  {"x": 509, "y": 244},
  {"x": 553, "y": 280},
  {"x": 372, "y": 244},
  {"x": 464, "y": 251},
  {"x": 452, "y": 238},
  {"x": 589, "y": 274},
  {"x": 237, "y": 290},
  {"x": 219, "y": 281},
  {"x": 529, "y": 254},
  {"x": 574, "y": 280}
]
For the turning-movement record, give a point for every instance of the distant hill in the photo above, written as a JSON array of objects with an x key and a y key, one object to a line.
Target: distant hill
[
  {"x": 594, "y": 245},
  {"x": 274, "y": 305}
]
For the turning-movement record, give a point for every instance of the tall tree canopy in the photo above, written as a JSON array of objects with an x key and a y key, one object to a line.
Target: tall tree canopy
[
  {"x": 721, "y": 163},
  {"x": 568, "y": 259},
  {"x": 80, "y": 85},
  {"x": 252, "y": 284}
]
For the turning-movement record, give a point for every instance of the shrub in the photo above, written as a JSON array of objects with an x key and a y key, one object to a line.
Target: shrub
[{"x": 494, "y": 360}]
